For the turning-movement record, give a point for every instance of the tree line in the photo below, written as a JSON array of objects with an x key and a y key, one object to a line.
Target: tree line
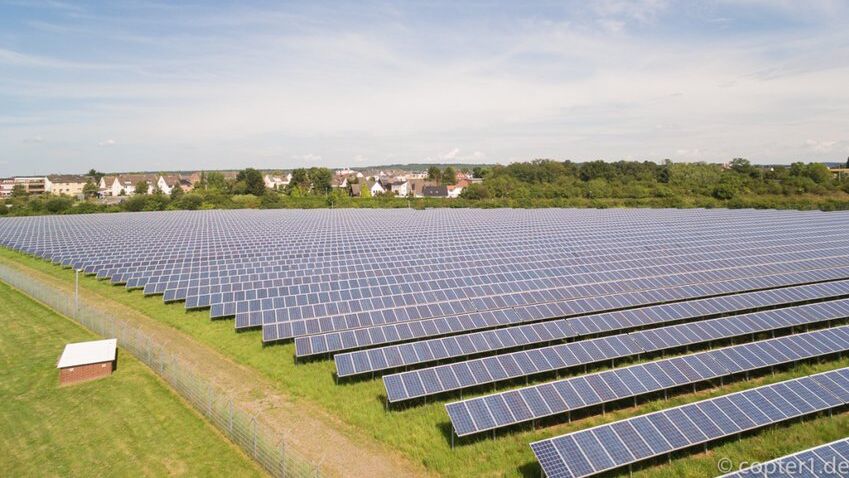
[{"x": 539, "y": 183}]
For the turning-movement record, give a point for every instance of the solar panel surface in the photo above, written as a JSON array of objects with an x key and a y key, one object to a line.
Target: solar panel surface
[{"x": 595, "y": 450}]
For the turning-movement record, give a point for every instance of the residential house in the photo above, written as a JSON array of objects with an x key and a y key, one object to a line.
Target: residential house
[
  {"x": 6, "y": 186},
  {"x": 109, "y": 186},
  {"x": 374, "y": 187},
  {"x": 167, "y": 182},
  {"x": 416, "y": 186},
  {"x": 32, "y": 184},
  {"x": 399, "y": 188},
  {"x": 67, "y": 184},
  {"x": 339, "y": 181},
  {"x": 276, "y": 181},
  {"x": 188, "y": 182},
  {"x": 435, "y": 191},
  {"x": 127, "y": 183},
  {"x": 454, "y": 190}
]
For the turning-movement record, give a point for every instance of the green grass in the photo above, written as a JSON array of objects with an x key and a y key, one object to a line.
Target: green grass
[
  {"x": 129, "y": 424},
  {"x": 419, "y": 432}
]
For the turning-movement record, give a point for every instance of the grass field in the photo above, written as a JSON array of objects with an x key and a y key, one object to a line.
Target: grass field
[
  {"x": 129, "y": 424},
  {"x": 420, "y": 432}
]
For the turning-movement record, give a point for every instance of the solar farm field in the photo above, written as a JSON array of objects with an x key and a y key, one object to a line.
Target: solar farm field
[{"x": 504, "y": 342}]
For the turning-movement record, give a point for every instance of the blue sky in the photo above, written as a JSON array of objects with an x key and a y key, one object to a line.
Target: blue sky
[{"x": 155, "y": 86}]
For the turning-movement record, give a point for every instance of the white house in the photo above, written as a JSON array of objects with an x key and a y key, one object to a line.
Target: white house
[
  {"x": 276, "y": 182},
  {"x": 400, "y": 188},
  {"x": 376, "y": 188},
  {"x": 167, "y": 183},
  {"x": 109, "y": 186},
  {"x": 454, "y": 191}
]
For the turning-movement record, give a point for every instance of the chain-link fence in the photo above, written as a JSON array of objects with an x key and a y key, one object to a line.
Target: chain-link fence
[{"x": 260, "y": 441}]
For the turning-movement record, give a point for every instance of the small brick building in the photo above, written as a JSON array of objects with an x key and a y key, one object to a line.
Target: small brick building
[{"x": 85, "y": 361}]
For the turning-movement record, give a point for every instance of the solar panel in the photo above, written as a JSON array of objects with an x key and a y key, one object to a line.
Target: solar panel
[
  {"x": 651, "y": 377},
  {"x": 603, "y": 349},
  {"x": 582, "y": 453}
]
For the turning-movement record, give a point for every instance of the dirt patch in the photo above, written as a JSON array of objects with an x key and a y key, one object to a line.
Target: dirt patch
[{"x": 316, "y": 435}]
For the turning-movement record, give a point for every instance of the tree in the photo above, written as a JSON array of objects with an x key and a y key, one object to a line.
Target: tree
[
  {"x": 19, "y": 191},
  {"x": 176, "y": 193},
  {"x": 58, "y": 204},
  {"x": 475, "y": 191},
  {"x": 365, "y": 189},
  {"x": 300, "y": 178},
  {"x": 254, "y": 184},
  {"x": 89, "y": 190},
  {"x": 596, "y": 170},
  {"x": 818, "y": 172},
  {"x": 97, "y": 175},
  {"x": 189, "y": 201},
  {"x": 201, "y": 184},
  {"x": 479, "y": 172},
  {"x": 141, "y": 187},
  {"x": 847, "y": 162},
  {"x": 742, "y": 166},
  {"x": 320, "y": 180},
  {"x": 434, "y": 174},
  {"x": 216, "y": 181},
  {"x": 449, "y": 175}
]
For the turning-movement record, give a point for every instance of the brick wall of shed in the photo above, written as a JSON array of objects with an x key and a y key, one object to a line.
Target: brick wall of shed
[{"x": 84, "y": 373}]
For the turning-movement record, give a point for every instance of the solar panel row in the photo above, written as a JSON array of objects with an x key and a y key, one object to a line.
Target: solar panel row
[
  {"x": 236, "y": 288},
  {"x": 496, "y": 368},
  {"x": 402, "y": 332},
  {"x": 524, "y": 302},
  {"x": 298, "y": 321},
  {"x": 424, "y": 287},
  {"x": 377, "y": 359},
  {"x": 549, "y": 235},
  {"x": 595, "y": 450},
  {"x": 553, "y": 398},
  {"x": 647, "y": 241}
]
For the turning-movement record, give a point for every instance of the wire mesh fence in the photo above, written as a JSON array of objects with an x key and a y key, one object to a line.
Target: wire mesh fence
[{"x": 262, "y": 442}]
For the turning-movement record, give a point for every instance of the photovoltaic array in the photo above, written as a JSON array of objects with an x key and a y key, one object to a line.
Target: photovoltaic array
[
  {"x": 437, "y": 301},
  {"x": 596, "y": 450}
]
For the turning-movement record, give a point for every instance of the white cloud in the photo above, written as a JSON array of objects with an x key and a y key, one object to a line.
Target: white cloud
[
  {"x": 519, "y": 89},
  {"x": 820, "y": 146},
  {"x": 451, "y": 155}
]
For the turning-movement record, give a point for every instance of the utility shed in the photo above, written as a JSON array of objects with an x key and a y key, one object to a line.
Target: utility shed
[{"x": 85, "y": 361}]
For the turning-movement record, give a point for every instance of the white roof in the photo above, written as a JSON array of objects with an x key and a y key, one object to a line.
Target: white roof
[{"x": 85, "y": 353}]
